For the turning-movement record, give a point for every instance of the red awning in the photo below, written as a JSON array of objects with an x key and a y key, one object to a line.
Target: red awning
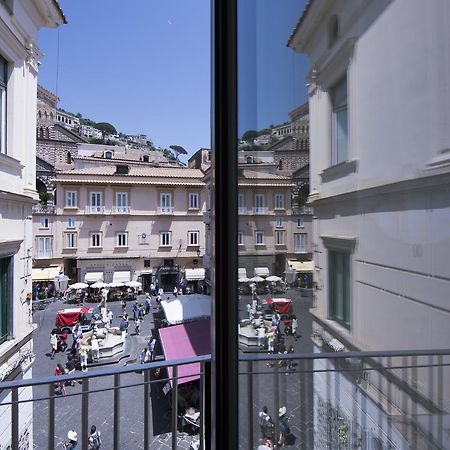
[{"x": 185, "y": 341}]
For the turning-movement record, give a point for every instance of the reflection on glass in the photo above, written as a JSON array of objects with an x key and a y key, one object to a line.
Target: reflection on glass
[{"x": 343, "y": 195}]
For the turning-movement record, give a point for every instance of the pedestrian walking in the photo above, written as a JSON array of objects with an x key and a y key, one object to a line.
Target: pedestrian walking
[
  {"x": 141, "y": 311},
  {"x": 265, "y": 423},
  {"x": 53, "y": 344},
  {"x": 152, "y": 289},
  {"x": 110, "y": 316},
  {"x": 95, "y": 349},
  {"x": 284, "y": 426},
  {"x": 249, "y": 311},
  {"x": 152, "y": 348},
  {"x": 294, "y": 327},
  {"x": 84, "y": 351},
  {"x": 148, "y": 304},
  {"x": 175, "y": 291},
  {"x": 95, "y": 440},
  {"x": 145, "y": 356},
  {"x": 270, "y": 340},
  {"x": 123, "y": 303},
  {"x": 160, "y": 292},
  {"x": 124, "y": 326},
  {"x": 76, "y": 334},
  {"x": 135, "y": 310},
  {"x": 60, "y": 389},
  {"x": 71, "y": 442},
  {"x": 137, "y": 326}
]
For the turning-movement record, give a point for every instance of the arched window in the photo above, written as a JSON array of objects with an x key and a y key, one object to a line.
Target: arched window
[{"x": 333, "y": 30}]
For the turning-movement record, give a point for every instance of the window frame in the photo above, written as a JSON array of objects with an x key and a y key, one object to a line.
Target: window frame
[
  {"x": 240, "y": 238},
  {"x": 3, "y": 106},
  {"x": 279, "y": 222},
  {"x": 161, "y": 238},
  {"x": 6, "y": 297},
  {"x": 279, "y": 233},
  {"x": 73, "y": 195},
  {"x": 300, "y": 222},
  {"x": 100, "y": 239},
  {"x": 119, "y": 236},
  {"x": 167, "y": 208},
  {"x": 66, "y": 240},
  {"x": 45, "y": 255},
  {"x": 344, "y": 316},
  {"x": 299, "y": 249},
  {"x": 191, "y": 196},
  {"x": 69, "y": 226},
  {"x": 192, "y": 233},
  {"x": 338, "y": 154},
  {"x": 43, "y": 226},
  {"x": 263, "y": 238},
  {"x": 277, "y": 203}
]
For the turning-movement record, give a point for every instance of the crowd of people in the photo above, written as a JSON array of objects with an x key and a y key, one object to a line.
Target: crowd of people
[
  {"x": 43, "y": 290},
  {"x": 267, "y": 427},
  {"x": 94, "y": 440}
]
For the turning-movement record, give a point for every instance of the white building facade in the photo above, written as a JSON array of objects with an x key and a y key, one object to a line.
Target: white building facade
[
  {"x": 20, "y": 24},
  {"x": 379, "y": 90}
]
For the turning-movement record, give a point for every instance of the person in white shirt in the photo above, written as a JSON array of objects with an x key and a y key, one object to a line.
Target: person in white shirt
[{"x": 95, "y": 350}]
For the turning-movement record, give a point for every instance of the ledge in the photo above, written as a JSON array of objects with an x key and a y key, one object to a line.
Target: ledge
[
  {"x": 339, "y": 170},
  {"x": 9, "y": 161}
]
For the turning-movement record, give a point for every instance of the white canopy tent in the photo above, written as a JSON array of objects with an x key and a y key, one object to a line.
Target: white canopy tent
[
  {"x": 92, "y": 277},
  {"x": 195, "y": 274},
  {"x": 185, "y": 309},
  {"x": 261, "y": 271},
  {"x": 121, "y": 276}
]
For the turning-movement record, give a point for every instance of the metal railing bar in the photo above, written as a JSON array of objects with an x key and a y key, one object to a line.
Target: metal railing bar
[
  {"x": 116, "y": 419},
  {"x": 202, "y": 406},
  {"x": 344, "y": 355},
  {"x": 174, "y": 408},
  {"x": 250, "y": 404},
  {"x": 96, "y": 391},
  {"x": 15, "y": 418},
  {"x": 51, "y": 417},
  {"x": 146, "y": 409},
  {"x": 85, "y": 414},
  {"x": 97, "y": 373},
  {"x": 366, "y": 369}
]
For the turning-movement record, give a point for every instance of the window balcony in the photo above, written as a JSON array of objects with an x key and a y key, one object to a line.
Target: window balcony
[
  {"x": 95, "y": 209},
  {"x": 120, "y": 210},
  {"x": 166, "y": 210},
  {"x": 302, "y": 210},
  {"x": 335, "y": 399},
  {"x": 260, "y": 210},
  {"x": 242, "y": 210}
]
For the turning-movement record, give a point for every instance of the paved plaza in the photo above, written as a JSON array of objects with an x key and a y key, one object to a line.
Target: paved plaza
[{"x": 294, "y": 391}]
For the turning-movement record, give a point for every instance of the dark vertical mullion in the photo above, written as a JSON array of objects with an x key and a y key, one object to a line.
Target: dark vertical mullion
[{"x": 224, "y": 225}]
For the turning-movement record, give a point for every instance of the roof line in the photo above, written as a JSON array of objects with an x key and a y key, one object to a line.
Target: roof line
[{"x": 299, "y": 23}]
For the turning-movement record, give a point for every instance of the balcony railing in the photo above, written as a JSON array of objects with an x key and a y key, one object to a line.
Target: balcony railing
[
  {"x": 337, "y": 400},
  {"x": 165, "y": 210},
  {"x": 43, "y": 209},
  {"x": 242, "y": 210},
  {"x": 95, "y": 209},
  {"x": 260, "y": 210},
  {"x": 120, "y": 210},
  {"x": 302, "y": 210}
]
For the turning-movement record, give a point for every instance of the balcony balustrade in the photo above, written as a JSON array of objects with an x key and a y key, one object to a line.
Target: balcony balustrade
[
  {"x": 95, "y": 209},
  {"x": 260, "y": 210},
  {"x": 307, "y": 210},
  {"x": 43, "y": 209},
  {"x": 165, "y": 210},
  {"x": 242, "y": 210},
  {"x": 120, "y": 210},
  {"x": 339, "y": 400}
]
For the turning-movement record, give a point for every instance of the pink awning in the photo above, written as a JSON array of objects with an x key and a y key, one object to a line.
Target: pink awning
[{"x": 185, "y": 341}]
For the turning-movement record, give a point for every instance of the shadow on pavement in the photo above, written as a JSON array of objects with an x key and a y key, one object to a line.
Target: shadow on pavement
[{"x": 161, "y": 408}]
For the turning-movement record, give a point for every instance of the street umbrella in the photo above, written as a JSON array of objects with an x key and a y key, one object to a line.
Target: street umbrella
[
  {"x": 78, "y": 286},
  {"x": 99, "y": 284},
  {"x": 257, "y": 279},
  {"x": 244, "y": 280},
  {"x": 273, "y": 278},
  {"x": 116, "y": 284},
  {"x": 133, "y": 284}
]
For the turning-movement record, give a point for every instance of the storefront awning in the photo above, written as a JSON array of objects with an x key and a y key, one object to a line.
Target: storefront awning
[
  {"x": 195, "y": 274},
  {"x": 92, "y": 277},
  {"x": 185, "y": 341},
  {"x": 45, "y": 274},
  {"x": 121, "y": 276},
  {"x": 242, "y": 272},
  {"x": 261, "y": 272},
  {"x": 304, "y": 267},
  {"x": 186, "y": 308}
]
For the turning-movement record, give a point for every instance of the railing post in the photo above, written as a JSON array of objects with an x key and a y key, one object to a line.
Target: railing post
[
  {"x": 51, "y": 417},
  {"x": 116, "y": 412},
  {"x": 202, "y": 405},
  {"x": 146, "y": 408},
  {"x": 15, "y": 418},
  {"x": 85, "y": 414},
  {"x": 174, "y": 406},
  {"x": 250, "y": 403},
  {"x": 276, "y": 400}
]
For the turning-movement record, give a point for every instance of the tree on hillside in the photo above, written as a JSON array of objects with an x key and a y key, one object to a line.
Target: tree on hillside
[
  {"x": 249, "y": 135},
  {"x": 105, "y": 128}
]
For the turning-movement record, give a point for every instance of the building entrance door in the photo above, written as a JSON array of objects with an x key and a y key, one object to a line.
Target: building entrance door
[{"x": 168, "y": 281}]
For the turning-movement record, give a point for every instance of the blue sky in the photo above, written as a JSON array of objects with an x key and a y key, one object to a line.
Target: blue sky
[{"x": 145, "y": 67}]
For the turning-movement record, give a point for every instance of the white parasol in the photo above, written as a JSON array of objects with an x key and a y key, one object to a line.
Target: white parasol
[
  {"x": 133, "y": 284},
  {"x": 78, "y": 286},
  {"x": 244, "y": 280},
  {"x": 257, "y": 279},
  {"x": 99, "y": 284},
  {"x": 273, "y": 278},
  {"x": 115, "y": 284}
]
